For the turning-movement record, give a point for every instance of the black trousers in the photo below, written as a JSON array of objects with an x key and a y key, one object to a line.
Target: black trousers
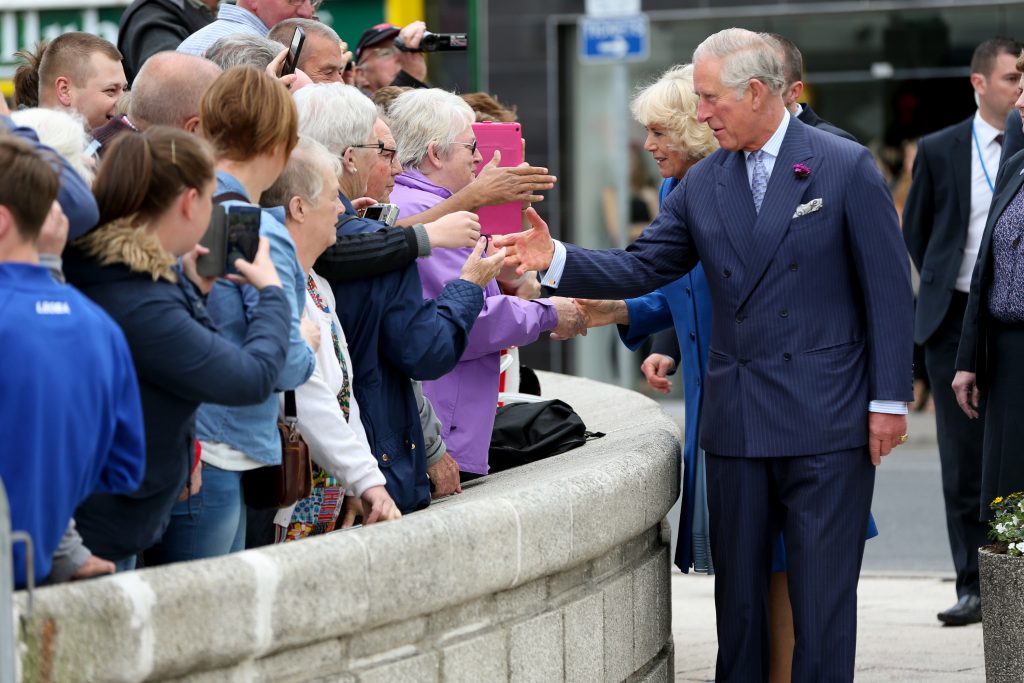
[
  {"x": 821, "y": 503},
  {"x": 960, "y": 448}
]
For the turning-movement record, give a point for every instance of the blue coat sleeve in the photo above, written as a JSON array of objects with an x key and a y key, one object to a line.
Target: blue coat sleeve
[
  {"x": 126, "y": 462},
  {"x": 75, "y": 197},
  {"x": 208, "y": 368},
  {"x": 425, "y": 339},
  {"x": 647, "y": 314}
]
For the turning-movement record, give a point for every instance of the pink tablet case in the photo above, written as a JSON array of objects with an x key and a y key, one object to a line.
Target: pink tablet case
[{"x": 508, "y": 138}]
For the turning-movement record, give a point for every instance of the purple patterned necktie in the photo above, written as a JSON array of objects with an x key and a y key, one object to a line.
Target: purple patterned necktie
[{"x": 758, "y": 179}]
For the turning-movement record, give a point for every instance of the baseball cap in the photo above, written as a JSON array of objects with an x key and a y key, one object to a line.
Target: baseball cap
[{"x": 373, "y": 36}]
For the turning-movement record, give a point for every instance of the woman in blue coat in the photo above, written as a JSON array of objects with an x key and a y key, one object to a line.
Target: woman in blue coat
[{"x": 155, "y": 191}]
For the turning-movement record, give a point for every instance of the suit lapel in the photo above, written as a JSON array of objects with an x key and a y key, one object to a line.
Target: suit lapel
[
  {"x": 782, "y": 197},
  {"x": 1003, "y": 199},
  {"x": 960, "y": 161},
  {"x": 736, "y": 203}
]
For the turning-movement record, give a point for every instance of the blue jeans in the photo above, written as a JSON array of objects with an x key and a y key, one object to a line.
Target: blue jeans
[
  {"x": 209, "y": 524},
  {"x": 125, "y": 564}
]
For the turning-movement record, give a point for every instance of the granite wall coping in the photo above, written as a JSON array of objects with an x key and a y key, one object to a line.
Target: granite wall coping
[{"x": 504, "y": 531}]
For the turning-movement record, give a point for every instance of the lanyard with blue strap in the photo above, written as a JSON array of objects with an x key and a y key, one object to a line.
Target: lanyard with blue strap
[{"x": 981, "y": 159}]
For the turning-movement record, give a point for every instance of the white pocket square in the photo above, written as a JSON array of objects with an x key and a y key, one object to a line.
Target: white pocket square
[{"x": 809, "y": 207}]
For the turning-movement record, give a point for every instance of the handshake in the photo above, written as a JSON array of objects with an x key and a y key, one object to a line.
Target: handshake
[{"x": 576, "y": 316}]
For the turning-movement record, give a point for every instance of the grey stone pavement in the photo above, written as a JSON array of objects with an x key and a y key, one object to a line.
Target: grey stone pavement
[{"x": 907, "y": 578}]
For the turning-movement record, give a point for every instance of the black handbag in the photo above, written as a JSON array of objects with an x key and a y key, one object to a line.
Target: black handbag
[
  {"x": 527, "y": 432},
  {"x": 280, "y": 486}
]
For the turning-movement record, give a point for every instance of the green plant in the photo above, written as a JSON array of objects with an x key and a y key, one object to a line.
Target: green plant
[{"x": 1007, "y": 525}]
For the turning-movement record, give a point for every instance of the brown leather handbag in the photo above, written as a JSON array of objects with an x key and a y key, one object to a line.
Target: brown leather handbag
[{"x": 280, "y": 486}]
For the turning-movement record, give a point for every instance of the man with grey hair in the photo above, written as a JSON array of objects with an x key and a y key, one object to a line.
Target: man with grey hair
[
  {"x": 810, "y": 365},
  {"x": 324, "y": 56},
  {"x": 242, "y": 49},
  {"x": 168, "y": 89}
]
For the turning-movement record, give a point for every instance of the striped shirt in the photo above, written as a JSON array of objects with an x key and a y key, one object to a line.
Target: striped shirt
[{"x": 231, "y": 19}]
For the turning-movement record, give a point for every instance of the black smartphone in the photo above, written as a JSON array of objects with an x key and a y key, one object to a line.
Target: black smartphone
[
  {"x": 292, "y": 60},
  {"x": 242, "y": 235},
  {"x": 211, "y": 264}
]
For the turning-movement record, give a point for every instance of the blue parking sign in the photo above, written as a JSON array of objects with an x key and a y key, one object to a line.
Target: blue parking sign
[{"x": 614, "y": 39}]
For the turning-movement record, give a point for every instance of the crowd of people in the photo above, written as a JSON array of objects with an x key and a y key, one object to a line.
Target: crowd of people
[
  {"x": 147, "y": 389},
  {"x": 155, "y": 446}
]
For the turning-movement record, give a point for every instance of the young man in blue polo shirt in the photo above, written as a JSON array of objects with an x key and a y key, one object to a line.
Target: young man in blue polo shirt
[{"x": 70, "y": 416}]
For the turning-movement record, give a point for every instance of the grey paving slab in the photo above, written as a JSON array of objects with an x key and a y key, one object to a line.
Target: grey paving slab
[{"x": 898, "y": 636}]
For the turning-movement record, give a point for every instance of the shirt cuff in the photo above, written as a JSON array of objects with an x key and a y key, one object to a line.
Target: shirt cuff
[
  {"x": 553, "y": 275},
  {"x": 423, "y": 247},
  {"x": 890, "y": 407}
]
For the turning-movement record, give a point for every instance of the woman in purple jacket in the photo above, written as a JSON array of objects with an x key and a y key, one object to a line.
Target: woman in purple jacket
[{"x": 437, "y": 149}]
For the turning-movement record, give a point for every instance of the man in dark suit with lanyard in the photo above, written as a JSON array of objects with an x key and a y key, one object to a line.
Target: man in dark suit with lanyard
[
  {"x": 809, "y": 367},
  {"x": 943, "y": 221}
]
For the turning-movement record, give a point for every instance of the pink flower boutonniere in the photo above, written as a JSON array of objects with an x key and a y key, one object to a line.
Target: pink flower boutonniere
[{"x": 801, "y": 171}]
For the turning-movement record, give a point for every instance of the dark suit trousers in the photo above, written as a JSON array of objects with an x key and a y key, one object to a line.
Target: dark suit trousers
[
  {"x": 960, "y": 445},
  {"x": 821, "y": 502}
]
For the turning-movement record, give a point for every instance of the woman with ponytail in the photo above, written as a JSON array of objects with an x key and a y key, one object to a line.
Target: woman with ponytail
[
  {"x": 251, "y": 122},
  {"x": 154, "y": 192}
]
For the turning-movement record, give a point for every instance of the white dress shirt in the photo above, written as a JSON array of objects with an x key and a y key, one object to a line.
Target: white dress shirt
[{"x": 984, "y": 136}]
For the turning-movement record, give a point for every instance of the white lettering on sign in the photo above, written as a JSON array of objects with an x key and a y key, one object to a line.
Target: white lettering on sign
[
  {"x": 52, "y": 308},
  {"x": 612, "y": 8}
]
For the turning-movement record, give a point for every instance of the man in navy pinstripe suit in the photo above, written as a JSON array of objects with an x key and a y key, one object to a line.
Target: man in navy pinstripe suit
[{"x": 810, "y": 359}]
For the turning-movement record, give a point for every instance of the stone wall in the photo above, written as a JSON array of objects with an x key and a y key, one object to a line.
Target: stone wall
[{"x": 555, "y": 571}]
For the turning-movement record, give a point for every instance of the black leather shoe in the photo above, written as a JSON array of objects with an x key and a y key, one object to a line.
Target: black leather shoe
[{"x": 967, "y": 610}]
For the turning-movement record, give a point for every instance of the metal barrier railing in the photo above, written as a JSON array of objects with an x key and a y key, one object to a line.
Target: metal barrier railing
[{"x": 8, "y": 640}]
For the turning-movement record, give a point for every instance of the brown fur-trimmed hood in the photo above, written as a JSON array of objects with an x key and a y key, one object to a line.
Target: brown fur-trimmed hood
[{"x": 137, "y": 247}]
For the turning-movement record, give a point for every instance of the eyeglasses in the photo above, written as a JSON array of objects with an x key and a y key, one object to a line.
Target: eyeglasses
[
  {"x": 315, "y": 4},
  {"x": 387, "y": 152},
  {"x": 471, "y": 145}
]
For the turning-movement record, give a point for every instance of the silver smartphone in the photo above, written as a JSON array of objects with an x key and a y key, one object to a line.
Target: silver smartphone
[{"x": 385, "y": 213}]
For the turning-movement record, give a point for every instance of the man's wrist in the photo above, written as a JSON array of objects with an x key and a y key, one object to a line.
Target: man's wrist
[
  {"x": 888, "y": 407},
  {"x": 621, "y": 313}
]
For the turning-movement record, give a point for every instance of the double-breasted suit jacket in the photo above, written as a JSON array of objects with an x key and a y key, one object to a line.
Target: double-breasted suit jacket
[{"x": 811, "y": 297}]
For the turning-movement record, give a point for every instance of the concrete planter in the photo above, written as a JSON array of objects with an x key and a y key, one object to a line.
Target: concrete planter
[{"x": 1002, "y": 612}]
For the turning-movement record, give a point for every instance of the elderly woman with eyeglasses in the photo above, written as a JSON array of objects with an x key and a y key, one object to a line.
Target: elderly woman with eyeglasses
[{"x": 437, "y": 149}]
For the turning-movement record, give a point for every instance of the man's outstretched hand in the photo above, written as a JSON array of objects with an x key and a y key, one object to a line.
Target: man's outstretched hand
[{"x": 532, "y": 249}]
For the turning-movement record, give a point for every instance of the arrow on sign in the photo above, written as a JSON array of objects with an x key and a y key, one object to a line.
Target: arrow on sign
[{"x": 616, "y": 47}]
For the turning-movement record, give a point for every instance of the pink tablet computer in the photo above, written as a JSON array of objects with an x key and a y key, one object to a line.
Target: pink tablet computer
[{"x": 508, "y": 138}]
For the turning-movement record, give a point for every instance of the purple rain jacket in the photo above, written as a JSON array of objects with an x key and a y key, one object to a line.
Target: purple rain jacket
[{"x": 466, "y": 398}]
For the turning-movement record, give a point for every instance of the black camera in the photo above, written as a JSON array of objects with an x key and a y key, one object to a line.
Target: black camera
[{"x": 437, "y": 42}]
